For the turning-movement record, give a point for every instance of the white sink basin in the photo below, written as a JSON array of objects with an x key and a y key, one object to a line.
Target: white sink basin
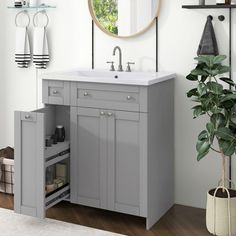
[{"x": 97, "y": 76}]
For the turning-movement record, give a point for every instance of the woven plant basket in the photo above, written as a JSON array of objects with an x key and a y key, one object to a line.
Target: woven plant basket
[{"x": 221, "y": 214}]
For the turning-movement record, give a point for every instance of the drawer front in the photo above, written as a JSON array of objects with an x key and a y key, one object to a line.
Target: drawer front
[
  {"x": 56, "y": 92},
  {"x": 105, "y": 96}
]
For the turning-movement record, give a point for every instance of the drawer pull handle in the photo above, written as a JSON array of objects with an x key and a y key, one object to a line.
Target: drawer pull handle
[
  {"x": 102, "y": 113},
  {"x": 55, "y": 92},
  {"x": 110, "y": 114},
  {"x": 27, "y": 117},
  {"x": 129, "y": 97},
  {"x": 86, "y": 94}
]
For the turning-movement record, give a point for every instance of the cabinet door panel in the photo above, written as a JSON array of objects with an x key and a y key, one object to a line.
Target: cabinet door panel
[
  {"x": 29, "y": 163},
  {"x": 124, "y": 159},
  {"x": 88, "y": 154}
]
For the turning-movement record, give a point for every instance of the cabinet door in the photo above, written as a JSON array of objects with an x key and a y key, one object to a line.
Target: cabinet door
[
  {"x": 29, "y": 163},
  {"x": 124, "y": 160},
  {"x": 88, "y": 153}
]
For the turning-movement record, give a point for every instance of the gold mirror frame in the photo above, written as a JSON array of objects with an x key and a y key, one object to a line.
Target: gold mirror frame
[{"x": 90, "y": 5}]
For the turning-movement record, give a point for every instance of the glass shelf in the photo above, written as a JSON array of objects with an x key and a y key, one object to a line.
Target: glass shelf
[
  {"x": 208, "y": 6},
  {"x": 38, "y": 7}
]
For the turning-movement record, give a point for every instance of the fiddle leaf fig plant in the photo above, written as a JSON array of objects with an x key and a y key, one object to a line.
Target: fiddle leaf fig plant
[{"x": 216, "y": 102}]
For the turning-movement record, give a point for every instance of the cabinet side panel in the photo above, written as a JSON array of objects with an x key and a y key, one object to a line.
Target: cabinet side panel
[{"x": 160, "y": 150}]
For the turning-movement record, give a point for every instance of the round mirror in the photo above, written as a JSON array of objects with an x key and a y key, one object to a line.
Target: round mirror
[{"x": 124, "y": 18}]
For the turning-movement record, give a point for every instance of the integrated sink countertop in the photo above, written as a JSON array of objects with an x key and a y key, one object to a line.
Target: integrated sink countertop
[{"x": 97, "y": 76}]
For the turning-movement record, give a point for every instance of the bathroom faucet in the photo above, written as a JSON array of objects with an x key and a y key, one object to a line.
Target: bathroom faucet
[{"x": 120, "y": 57}]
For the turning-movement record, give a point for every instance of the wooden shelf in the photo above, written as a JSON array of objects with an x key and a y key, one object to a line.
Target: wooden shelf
[{"x": 208, "y": 6}]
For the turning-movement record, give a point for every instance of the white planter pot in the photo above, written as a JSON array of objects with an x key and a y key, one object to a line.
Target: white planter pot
[{"x": 217, "y": 216}]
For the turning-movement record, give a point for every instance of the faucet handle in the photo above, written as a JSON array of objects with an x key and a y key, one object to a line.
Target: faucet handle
[
  {"x": 128, "y": 69},
  {"x": 112, "y": 65}
]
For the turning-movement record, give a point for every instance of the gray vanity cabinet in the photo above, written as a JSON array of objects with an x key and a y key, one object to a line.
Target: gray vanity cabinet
[
  {"x": 106, "y": 159},
  {"x": 121, "y": 148}
]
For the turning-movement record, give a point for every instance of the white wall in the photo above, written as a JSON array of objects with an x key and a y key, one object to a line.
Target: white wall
[{"x": 70, "y": 43}]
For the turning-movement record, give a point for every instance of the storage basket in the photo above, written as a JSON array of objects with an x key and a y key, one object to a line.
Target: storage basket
[{"x": 7, "y": 179}]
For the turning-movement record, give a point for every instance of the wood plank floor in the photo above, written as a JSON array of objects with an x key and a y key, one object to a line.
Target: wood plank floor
[{"x": 179, "y": 221}]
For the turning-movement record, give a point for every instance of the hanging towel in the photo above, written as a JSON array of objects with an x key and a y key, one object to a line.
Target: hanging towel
[
  {"x": 22, "y": 50},
  {"x": 208, "y": 44},
  {"x": 40, "y": 51}
]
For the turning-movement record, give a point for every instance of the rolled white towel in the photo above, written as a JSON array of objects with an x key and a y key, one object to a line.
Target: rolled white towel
[
  {"x": 40, "y": 51},
  {"x": 22, "y": 49}
]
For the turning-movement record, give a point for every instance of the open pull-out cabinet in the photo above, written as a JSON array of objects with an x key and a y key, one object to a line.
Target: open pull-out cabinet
[{"x": 33, "y": 157}]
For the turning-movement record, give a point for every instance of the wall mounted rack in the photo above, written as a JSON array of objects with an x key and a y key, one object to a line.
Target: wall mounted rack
[
  {"x": 229, "y": 8},
  {"x": 37, "y": 7},
  {"x": 209, "y": 6}
]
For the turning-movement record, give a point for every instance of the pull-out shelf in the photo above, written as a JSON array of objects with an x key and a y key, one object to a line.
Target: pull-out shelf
[
  {"x": 57, "y": 196},
  {"x": 57, "y": 153},
  {"x": 32, "y": 159}
]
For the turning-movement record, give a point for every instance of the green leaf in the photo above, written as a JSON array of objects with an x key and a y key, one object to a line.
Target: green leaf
[
  {"x": 203, "y": 136},
  {"x": 215, "y": 87},
  {"x": 212, "y": 72},
  {"x": 227, "y": 147},
  {"x": 223, "y": 69},
  {"x": 232, "y": 127},
  {"x": 225, "y": 134},
  {"x": 203, "y": 148},
  {"x": 218, "y": 59},
  {"x": 218, "y": 120},
  {"x": 192, "y": 77},
  {"x": 228, "y": 97},
  {"x": 228, "y": 104},
  {"x": 228, "y": 81},
  {"x": 202, "y": 89},
  {"x": 202, "y": 58},
  {"x": 210, "y": 128},
  {"x": 192, "y": 92},
  {"x": 197, "y": 72},
  {"x": 204, "y": 78},
  {"x": 201, "y": 155},
  {"x": 197, "y": 111}
]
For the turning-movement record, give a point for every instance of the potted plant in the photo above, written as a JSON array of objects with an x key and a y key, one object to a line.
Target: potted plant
[{"x": 217, "y": 103}]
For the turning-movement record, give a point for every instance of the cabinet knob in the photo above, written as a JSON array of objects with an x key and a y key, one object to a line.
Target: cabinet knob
[
  {"x": 129, "y": 97},
  {"x": 86, "y": 94},
  {"x": 102, "y": 113},
  {"x": 55, "y": 92},
  {"x": 110, "y": 114},
  {"x": 27, "y": 117}
]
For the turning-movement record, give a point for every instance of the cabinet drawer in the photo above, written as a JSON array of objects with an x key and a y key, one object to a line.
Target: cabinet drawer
[
  {"x": 33, "y": 157},
  {"x": 56, "y": 92},
  {"x": 106, "y": 96}
]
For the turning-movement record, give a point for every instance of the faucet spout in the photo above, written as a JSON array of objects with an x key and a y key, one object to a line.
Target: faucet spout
[{"x": 120, "y": 68}]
